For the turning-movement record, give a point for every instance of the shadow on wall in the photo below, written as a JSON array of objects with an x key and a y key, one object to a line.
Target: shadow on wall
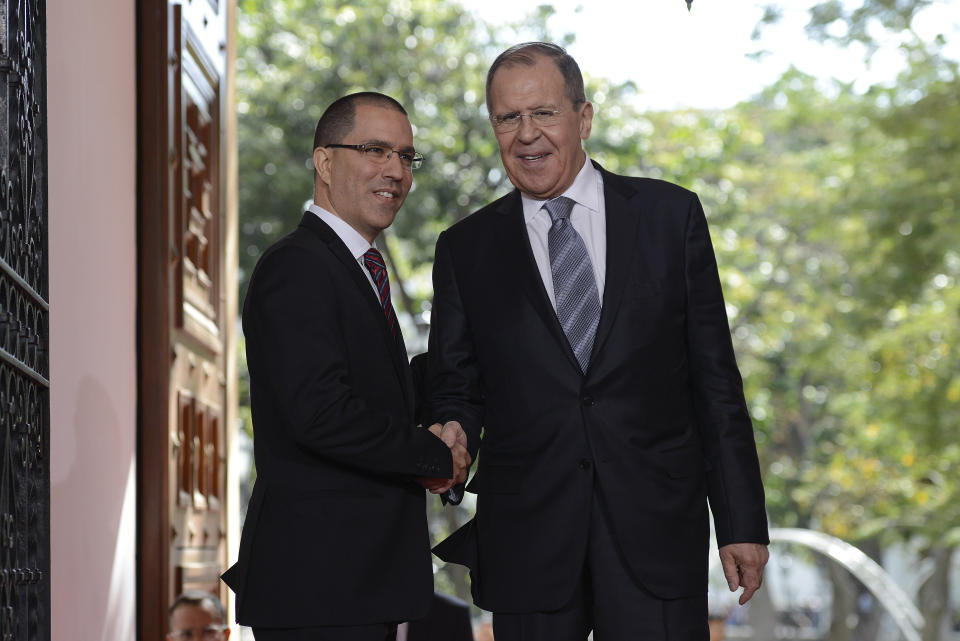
[{"x": 93, "y": 518}]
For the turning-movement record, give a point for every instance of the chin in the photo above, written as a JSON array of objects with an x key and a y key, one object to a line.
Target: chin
[
  {"x": 536, "y": 185},
  {"x": 540, "y": 192}
]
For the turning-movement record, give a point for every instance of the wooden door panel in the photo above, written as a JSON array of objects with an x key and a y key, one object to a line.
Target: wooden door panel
[
  {"x": 197, "y": 209},
  {"x": 185, "y": 340}
]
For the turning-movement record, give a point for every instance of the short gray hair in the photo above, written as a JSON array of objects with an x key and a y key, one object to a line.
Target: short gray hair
[
  {"x": 527, "y": 53},
  {"x": 201, "y": 599}
]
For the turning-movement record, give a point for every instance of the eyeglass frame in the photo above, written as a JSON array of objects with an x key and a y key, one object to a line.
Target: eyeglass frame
[
  {"x": 416, "y": 158},
  {"x": 213, "y": 628},
  {"x": 496, "y": 120}
]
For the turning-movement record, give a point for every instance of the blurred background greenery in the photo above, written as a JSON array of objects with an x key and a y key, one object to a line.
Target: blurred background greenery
[{"x": 833, "y": 209}]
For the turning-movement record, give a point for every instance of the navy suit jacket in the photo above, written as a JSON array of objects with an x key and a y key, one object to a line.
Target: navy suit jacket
[
  {"x": 336, "y": 531},
  {"x": 656, "y": 424}
]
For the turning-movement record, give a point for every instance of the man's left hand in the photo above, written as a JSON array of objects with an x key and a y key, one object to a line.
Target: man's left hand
[
  {"x": 743, "y": 567},
  {"x": 452, "y": 433}
]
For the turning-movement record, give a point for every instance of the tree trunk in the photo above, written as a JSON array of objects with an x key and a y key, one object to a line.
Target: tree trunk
[
  {"x": 843, "y": 617},
  {"x": 933, "y": 594},
  {"x": 872, "y": 614}
]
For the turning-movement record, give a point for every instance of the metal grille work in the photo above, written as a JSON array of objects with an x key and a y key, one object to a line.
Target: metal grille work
[{"x": 24, "y": 323}]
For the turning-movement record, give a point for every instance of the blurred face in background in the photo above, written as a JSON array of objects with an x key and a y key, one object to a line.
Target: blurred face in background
[{"x": 196, "y": 623}]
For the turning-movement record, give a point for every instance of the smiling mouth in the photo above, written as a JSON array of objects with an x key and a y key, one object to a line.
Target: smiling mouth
[
  {"x": 385, "y": 194},
  {"x": 533, "y": 158}
]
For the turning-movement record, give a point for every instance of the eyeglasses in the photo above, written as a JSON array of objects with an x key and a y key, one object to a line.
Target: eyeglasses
[
  {"x": 209, "y": 633},
  {"x": 506, "y": 123},
  {"x": 380, "y": 154}
]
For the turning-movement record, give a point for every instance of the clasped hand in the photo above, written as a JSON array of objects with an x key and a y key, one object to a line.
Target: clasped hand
[{"x": 455, "y": 438}]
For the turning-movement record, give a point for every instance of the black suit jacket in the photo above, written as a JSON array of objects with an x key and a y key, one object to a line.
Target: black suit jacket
[
  {"x": 656, "y": 424},
  {"x": 335, "y": 532},
  {"x": 448, "y": 620}
]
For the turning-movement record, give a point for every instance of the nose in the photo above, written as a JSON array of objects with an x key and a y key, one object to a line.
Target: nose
[
  {"x": 393, "y": 168},
  {"x": 528, "y": 130}
]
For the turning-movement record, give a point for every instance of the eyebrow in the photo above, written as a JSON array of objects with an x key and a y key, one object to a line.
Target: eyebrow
[
  {"x": 549, "y": 106},
  {"x": 384, "y": 143}
]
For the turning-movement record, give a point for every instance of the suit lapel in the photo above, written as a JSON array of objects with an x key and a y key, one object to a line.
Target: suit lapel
[
  {"x": 394, "y": 343},
  {"x": 518, "y": 257},
  {"x": 622, "y": 216}
]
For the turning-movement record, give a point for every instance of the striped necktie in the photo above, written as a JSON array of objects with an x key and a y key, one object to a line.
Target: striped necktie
[
  {"x": 378, "y": 270},
  {"x": 574, "y": 285}
]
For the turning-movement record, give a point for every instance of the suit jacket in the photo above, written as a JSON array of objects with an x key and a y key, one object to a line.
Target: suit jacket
[
  {"x": 422, "y": 412},
  {"x": 656, "y": 424},
  {"x": 448, "y": 620},
  {"x": 335, "y": 532}
]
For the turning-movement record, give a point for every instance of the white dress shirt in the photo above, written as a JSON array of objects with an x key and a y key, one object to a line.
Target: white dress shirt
[
  {"x": 588, "y": 217},
  {"x": 356, "y": 244}
]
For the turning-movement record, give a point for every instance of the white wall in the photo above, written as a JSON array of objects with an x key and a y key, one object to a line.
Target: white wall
[{"x": 91, "y": 108}]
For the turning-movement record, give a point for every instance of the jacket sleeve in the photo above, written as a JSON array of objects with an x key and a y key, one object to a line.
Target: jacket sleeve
[
  {"x": 455, "y": 386},
  {"x": 734, "y": 485},
  {"x": 296, "y": 347}
]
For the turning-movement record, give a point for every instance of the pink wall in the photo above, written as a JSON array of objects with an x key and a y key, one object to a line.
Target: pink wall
[{"x": 91, "y": 108}]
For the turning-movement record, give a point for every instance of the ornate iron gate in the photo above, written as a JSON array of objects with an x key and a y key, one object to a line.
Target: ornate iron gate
[{"x": 24, "y": 323}]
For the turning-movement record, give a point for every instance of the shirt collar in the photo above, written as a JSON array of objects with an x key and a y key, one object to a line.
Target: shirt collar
[
  {"x": 356, "y": 243},
  {"x": 583, "y": 191}
]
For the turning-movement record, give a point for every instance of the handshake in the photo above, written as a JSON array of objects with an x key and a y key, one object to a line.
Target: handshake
[{"x": 453, "y": 435}]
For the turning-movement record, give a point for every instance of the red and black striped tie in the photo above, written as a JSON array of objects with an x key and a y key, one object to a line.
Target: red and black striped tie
[{"x": 378, "y": 269}]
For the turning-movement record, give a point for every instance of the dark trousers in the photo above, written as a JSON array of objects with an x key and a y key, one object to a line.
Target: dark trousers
[
  {"x": 610, "y": 602},
  {"x": 375, "y": 632}
]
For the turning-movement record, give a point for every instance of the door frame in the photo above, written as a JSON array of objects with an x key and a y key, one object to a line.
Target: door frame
[{"x": 159, "y": 49}]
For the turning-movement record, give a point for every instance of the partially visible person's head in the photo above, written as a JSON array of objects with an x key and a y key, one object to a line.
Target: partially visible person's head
[
  {"x": 539, "y": 114},
  {"x": 197, "y": 616},
  {"x": 365, "y": 186}
]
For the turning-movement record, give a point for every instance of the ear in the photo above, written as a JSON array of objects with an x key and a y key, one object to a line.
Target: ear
[
  {"x": 322, "y": 161},
  {"x": 586, "y": 120}
]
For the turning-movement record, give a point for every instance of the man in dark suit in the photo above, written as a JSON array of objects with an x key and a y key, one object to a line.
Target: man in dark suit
[
  {"x": 335, "y": 544},
  {"x": 579, "y": 322}
]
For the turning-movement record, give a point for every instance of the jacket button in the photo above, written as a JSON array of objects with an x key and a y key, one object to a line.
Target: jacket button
[
  {"x": 588, "y": 401},
  {"x": 585, "y": 464}
]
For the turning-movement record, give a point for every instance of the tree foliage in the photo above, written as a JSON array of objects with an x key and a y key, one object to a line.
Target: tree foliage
[
  {"x": 297, "y": 56},
  {"x": 862, "y": 441},
  {"x": 833, "y": 213}
]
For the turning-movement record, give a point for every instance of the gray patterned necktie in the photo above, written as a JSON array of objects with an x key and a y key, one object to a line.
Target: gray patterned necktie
[{"x": 574, "y": 286}]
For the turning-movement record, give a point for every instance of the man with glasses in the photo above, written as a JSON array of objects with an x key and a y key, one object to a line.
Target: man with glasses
[
  {"x": 197, "y": 616},
  {"x": 335, "y": 544},
  {"x": 579, "y": 323}
]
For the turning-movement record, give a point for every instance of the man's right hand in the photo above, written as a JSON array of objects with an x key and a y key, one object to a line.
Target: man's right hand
[{"x": 455, "y": 438}]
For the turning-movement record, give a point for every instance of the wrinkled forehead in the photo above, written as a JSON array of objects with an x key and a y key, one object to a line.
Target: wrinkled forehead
[
  {"x": 522, "y": 86},
  {"x": 188, "y": 616}
]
